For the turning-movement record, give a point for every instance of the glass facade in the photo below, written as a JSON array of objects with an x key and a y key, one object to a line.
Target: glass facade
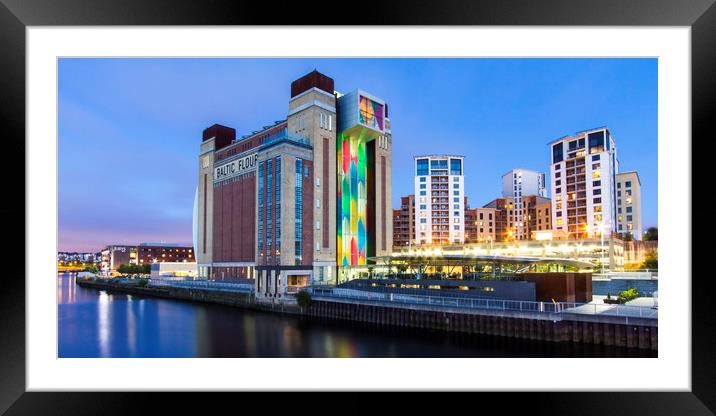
[
  {"x": 422, "y": 167},
  {"x": 260, "y": 218},
  {"x": 352, "y": 200},
  {"x": 269, "y": 223},
  {"x": 455, "y": 167},
  {"x": 298, "y": 250},
  {"x": 278, "y": 206},
  {"x": 371, "y": 113}
]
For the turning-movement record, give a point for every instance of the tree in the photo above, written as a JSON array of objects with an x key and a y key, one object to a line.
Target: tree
[
  {"x": 651, "y": 261},
  {"x": 651, "y": 234},
  {"x": 304, "y": 299},
  {"x": 626, "y": 237}
]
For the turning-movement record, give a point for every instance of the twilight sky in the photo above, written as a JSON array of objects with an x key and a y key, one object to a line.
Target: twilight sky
[{"x": 130, "y": 129}]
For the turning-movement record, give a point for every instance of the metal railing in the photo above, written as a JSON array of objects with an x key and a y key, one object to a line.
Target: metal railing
[
  {"x": 482, "y": 303},
  {"x": 204, "y": 284}
]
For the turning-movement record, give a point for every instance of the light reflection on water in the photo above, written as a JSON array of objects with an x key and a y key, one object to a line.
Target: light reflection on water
[{"x": 100, "y": 324}]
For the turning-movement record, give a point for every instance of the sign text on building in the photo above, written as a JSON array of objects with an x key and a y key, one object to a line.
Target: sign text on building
[{"x": 236, "y": 167}]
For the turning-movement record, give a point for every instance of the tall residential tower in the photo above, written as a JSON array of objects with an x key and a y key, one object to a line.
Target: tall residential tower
[
  {"x": 583, "y": 181},
  {"x": 439, "y": 205}
]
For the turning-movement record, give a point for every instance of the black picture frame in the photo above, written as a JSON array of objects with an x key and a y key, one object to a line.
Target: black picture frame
[{"x": 16, "y": 15}]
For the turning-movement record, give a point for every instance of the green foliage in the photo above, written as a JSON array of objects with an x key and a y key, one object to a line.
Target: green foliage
[
  {"x": 628, "y": 295},
  {"x": 142, "y": 282},
  {"x": 651, "y": 261},
  {"x": 651, "y": 234},
  {"x": 134, "y": 269},
  {"x": 304, "y": 299},
  {"x": 91, "y": 268},
  {"x": 626, "y": 237}
]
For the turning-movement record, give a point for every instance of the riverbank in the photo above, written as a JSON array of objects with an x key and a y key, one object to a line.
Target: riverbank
[{"x": 634, "y": 332}]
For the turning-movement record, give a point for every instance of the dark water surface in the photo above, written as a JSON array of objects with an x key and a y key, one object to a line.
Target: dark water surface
[{"x": 100, "y": 324}]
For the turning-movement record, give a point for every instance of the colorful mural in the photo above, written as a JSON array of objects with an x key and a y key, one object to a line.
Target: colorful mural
[
  {"x": 371, "y": 113},
  {"x": 352, "y": 200}
]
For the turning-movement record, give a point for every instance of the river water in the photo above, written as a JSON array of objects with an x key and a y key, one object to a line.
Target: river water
[{"x": 95, "y": 323}]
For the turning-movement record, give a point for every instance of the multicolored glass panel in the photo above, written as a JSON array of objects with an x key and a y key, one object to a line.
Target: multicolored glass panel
[
  {"x": 371, "y": 113},
  {"x": 352, "y": 200}
]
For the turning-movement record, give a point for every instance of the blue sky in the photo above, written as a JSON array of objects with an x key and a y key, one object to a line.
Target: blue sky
[{"x": 130, "y": 129}]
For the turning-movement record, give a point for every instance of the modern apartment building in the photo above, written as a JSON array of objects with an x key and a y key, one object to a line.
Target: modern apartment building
[
  {"x": 439, "y": 193},
  {"x": 629, "y": 204},
  {"x": 480, "y": 224},
  {"x": 404, "y": 222},
  {"x": 111, "y": 257},
  {"x": 519, "y": 182},
  {"x": 289, "y": 203},
  {"x": 583, "y": 182},
  {"x": 518, "y": 220}
]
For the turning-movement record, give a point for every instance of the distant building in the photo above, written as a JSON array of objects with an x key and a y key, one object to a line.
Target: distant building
[
  {"x": 629, "y": 204},
  {"x": 520, "y": 181},
  {"x": 164, "y": 252},
  {"x": 111, "y": 257},
  {"x": 517, "y": 220},
  {"x": 583, "y": 182},
  {"x": 480, "y": 224},
  {"x": 439, "y": 192},
  {"x": 404, "y": 222}
]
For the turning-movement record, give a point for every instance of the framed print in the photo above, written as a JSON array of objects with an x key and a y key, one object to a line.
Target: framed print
[{"x": 458, "y": 197}]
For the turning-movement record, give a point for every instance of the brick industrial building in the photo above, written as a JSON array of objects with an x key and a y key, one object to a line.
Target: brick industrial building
[{"x": 294, "y": 200}]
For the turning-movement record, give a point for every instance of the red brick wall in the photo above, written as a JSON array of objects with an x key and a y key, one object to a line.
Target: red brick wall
[{"x": 235, "y": 220}]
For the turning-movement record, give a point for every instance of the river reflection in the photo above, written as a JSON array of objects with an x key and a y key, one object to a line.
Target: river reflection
[{"x": 100, "y": 324}]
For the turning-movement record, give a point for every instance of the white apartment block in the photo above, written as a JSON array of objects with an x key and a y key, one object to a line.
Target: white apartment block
[
  {"x": 629, "y": 204},
  {"x": 439, "y": 193},
  {"x": 583, "y": 181},
  {"x": 515, "y": 184}
]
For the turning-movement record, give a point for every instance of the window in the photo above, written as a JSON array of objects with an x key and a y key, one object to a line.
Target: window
[
  {"x": 456, "y": 186},
  {"x": 619, "y": 185},
  {"x": 456, "y": 200},
  {"x": 557, "y": 153},
  {"x": 422, "y": 186},
  {"x": 597, "y": 183},
  {"x": 595, "y": 158},
  {"x": 628, "y": 209},
  {"x": 456, "y": 192},
  {"x": 481, "y": 215},
  {"x": 456, "y": 179},
  {"x": 456, "y": 227},
  {"x": 558, "y": 183},
  {"x": 559, "y": 213},
  {"x": 455, "y": 167},
  {"x": 456, "y": 213},
  {"x": 627, "y": 184},
  {"x": 596, "y": 166},
  {"x": 619, "y": 211},
  {"x": 423, "y": 220},
  {"x": 597, "y": 200},
  {"x": 619, "y": 193},
  {"x": 422, "y": 179},
  {"x": 597, "y": 208},
  {"x": 423, "y": 207},
  {"x": 596, "y": 174},
  {"x": 627, "y": 192},
  {"x": 422, "y": 167},
  {"x": 456, "y": 206},
  {"x": 629, "y": 218},
  {"x": 558, "y": 174},
  {"x": 597, "y": 192},
  {"x": 422, "y": 193},
  {"x": 558, "y": 190}
]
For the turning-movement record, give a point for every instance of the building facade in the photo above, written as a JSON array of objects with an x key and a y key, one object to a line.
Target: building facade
[
  {"x": 629, "y": 205},
  {"x": 439, "y": 193},
  {"x": 291, "y": 202},
  {"x": 517, "y": 218},
  {"x": 480, "y": 224},
  {"x": 515, "y": 184},
  {"x": 148, "y": 253},
  {"x": 520, "y": 181},
  {"x": 111, "y": 257},
  {"x": 404, "y": 222},
  {"x": 583, "y": 182}
]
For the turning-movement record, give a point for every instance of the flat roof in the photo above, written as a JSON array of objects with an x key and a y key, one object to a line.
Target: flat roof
[{"x": 493, "y": 259}]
